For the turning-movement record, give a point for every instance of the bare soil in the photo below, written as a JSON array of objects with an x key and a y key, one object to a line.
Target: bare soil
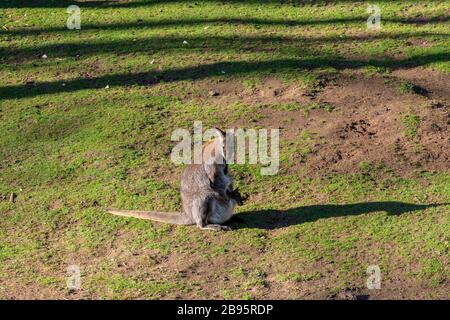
[{"x": 365, "y": 124}]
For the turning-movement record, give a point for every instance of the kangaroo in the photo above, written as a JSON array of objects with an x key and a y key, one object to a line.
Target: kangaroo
[{"x": 207, "y": 194}]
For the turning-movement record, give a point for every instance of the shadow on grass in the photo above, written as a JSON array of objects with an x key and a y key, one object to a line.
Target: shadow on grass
[
  {"x": 233, "y": 68},
  {"x": 144, "y": 3},
  {"x": 208, "y": 44},
  {"x": 274, "y": 219},
  {"x": 167, "y": 23}
]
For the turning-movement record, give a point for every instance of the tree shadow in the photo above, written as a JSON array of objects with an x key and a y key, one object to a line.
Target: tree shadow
[
  {"x": 274, "y": 219},
  {"x": 307, "y": 51},
  {"x": 166, "y": 23},
  {"x": 148, "y": 3},
  {"x": 175, "y": 44},
  {"x": 232, "y": 68}
]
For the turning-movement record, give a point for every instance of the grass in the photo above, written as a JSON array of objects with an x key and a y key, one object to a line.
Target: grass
[
  {"x": 298, "y": 277},
  {"x": 71, "y": 147},
  {"x": 411, "y": 123},
  {"x": 306, "y": 108},
  {"x": 407, "y": 87},
  {"x": 123, "y": 287}
]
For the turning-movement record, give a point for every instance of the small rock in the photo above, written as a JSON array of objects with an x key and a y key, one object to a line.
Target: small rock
[
  {"x": 185, "y": 42},
  {"x": 44, "y": 56},
  {"x": 107, "y": 86},
  {"x": 213, "y": 93}
]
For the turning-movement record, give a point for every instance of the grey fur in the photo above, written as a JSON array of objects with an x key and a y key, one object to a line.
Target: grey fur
[{"x": 207, "y": 194}]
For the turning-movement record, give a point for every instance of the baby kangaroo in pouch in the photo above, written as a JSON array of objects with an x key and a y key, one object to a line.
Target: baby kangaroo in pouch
[{"x": 207, "y": 194}]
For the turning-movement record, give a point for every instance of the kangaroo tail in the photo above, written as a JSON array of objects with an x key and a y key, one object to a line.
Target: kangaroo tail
[{"x": 172, "y": 217}]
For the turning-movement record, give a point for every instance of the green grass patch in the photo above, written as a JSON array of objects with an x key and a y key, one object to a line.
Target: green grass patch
[{"x": 411, "y": 124}]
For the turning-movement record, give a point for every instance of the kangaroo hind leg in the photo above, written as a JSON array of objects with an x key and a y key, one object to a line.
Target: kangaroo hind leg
[{"x": 201, "y": 210}]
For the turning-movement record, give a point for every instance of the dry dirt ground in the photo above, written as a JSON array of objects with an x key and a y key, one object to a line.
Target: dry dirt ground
[{"x": 364, "y": 122}]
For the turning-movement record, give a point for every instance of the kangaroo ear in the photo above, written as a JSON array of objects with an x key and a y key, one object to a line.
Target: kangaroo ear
[
  {"x": 221, "y": 136},
  {"x": 219, "y": 132}
]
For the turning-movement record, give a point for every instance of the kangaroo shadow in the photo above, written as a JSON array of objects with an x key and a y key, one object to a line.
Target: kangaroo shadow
[{"x": 274, "y": 219}]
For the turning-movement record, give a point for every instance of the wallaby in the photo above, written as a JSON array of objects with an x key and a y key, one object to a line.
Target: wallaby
[{"x": 207, "y": 195}]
